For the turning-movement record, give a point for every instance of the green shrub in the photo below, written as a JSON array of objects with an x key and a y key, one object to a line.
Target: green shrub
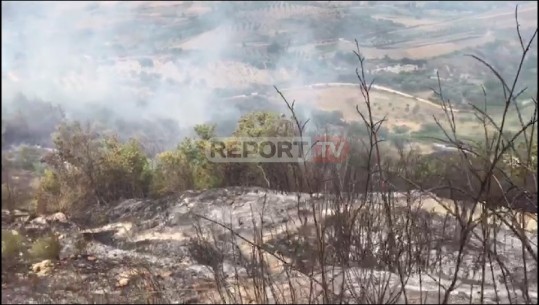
[
  {"x": 88, "y": 168},
  {"x": 50, "y": 182},
  {"x": 47, "y": 247},
  {"x": 48, "y": 193},
  {"x": 12, "y": 244},
  {"x": 205, "y": 174},
  {"x": 258, "y": 124},
  {"x": 187, "y": 166},
  {"x": 124, "y": 171},
  {"x": 172, "y": 173}
]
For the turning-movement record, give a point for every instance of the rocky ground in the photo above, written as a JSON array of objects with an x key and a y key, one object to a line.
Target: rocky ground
[{"x": 173, "y": 250}]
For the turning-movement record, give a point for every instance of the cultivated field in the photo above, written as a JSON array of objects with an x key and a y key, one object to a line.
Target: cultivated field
[{"x": 408, "y": 113}]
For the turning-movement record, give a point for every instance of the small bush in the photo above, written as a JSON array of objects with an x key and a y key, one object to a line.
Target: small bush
[
  {"x": 50, "y": 183},
  {"x": 56, "y": 192},
  {"x": 88, "y": 168},
  {"x": 47, "y": 247},
  {"x": 172, "y": 173},
  {"x": 125, "y": 170},
  {"x": 12, "y": 244}
]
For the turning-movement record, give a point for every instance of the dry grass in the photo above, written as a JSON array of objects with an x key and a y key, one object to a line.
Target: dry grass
[
  {"x": 344, "y": 99},
  {"x": 399, "y": 110},
  {"x": 398, "y": 238}
]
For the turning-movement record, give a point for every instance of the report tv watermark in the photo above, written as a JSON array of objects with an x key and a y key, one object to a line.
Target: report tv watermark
[{"x": 317, "y": 149}]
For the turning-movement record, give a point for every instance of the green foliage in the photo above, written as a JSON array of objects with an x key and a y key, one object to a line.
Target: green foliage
[
  {"x": 205, "y": 132},
  {"x": 187, "y": 166},
  {"x": 260, "y": 124},
  {"x": 12, "y": 244},
  {"x": 50, "y": 183},
  {"x": 87, "y": 167},
  {"x": 51, "y": 193},
  {"x": 125, "y": 169},
  {"x": 172, "y": 173},
  {"x": 62, "y": 185},
  {"x": 47, "y": 247},
  {"x": 205, "y": 174}
]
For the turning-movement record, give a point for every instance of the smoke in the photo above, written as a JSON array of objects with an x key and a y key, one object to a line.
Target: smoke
[
  {"x": 136, "y": 67},
  {"x": 140, "y": 61},
  {"x": 89, "y": 59}
]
